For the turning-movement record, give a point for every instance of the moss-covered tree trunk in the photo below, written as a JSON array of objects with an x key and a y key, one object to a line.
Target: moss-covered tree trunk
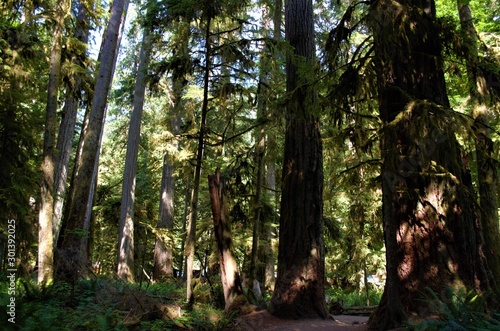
[
  {"x": 299, "y": 288},
  {"x": 432, "y": 229}
]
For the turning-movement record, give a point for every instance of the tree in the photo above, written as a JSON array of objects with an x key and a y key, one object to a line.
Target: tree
[
  {"x": 234, "y": 297},
  {"x": 126, "y": 229},
  {"x": 23, "y": 76},
  {"x": 267, "y": 252},
  {"x": 431, "y": 226},
  {"x": 479, "y": 92},
  {"x": 73, "y": 260},
  {"x": 74, "y": 94},
  {"x": 299, "y": 289},
  {"x": 193, "y": 215},
  {"x": 163, "y": 252},
  {"x": 45, "y": 232},
  {"x": 260, "y": 150}
]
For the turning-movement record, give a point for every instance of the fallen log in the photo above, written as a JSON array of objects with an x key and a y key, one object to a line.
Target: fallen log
[{"x": 359, "y": 310}]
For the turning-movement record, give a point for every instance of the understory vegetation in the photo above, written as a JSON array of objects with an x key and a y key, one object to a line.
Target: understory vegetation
[
  {"x": 342, "y": 157},
  {"x": 103, "y": 304}
]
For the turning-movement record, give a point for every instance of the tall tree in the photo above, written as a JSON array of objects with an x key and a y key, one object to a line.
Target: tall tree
[
  {"x": 73, "y": 260},
  {"x": 76, "y": 84},
  {"x": 126, "y": 228},
  {"x": 299, "y": 289},
  {"x": 163, "y": 252},
  {"x": 482, "y": 114},
  {"x": 45, "y": 232},
  {"x": 193, "y": 215},
  {"x": 23, "y": 76},
  {"x": 431, "y": 226}
]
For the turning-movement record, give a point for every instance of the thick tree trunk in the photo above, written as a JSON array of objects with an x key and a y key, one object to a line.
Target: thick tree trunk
[
  {"x": 299, "y": 289},
  {"x": 45, "y": 231},
  {"x": 67, "y": 126},
  {"x": 126, "y": 230},
  {"x": 486, "y": 170},
  {"x": 432, "y": 229},
  {"x": 73, "y": 260},
  {"x": 231, "y": 283},
  {"x": 191, "y": 229}
]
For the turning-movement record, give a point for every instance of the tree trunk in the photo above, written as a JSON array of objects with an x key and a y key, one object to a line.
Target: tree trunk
[
  {"x": 486, "y": 169},
  {"x": 126, "y": 231},
  {"x": 191, "y": 230},
  {"x": 73, "y": 260},
  {"x": 431, "y": 227},
  {"x": 231, "y": 283},
  {"x": 163, "y": 255},
  {"x": 299, "y": 289},
  {"x": 45, "y": 232},
  {"x": 182, "y": 262},
  {"x": 268, "y": 254},
  {"x": 67, "y": 126}
]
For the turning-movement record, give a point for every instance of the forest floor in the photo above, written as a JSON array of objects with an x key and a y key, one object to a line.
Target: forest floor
[{"x": 264, "y": 321}]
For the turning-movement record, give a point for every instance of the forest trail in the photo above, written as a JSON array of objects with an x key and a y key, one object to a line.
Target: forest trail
[{"x": 264, "y": 321}]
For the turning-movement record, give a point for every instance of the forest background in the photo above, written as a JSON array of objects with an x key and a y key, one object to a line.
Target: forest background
[{"x": 105, "y": 161}]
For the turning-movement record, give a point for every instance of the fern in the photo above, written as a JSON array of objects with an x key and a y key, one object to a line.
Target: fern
[{"x": 457, "y": 311}]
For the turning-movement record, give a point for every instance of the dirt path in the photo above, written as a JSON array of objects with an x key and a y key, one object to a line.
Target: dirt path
[{"x": 263, "y": 321}]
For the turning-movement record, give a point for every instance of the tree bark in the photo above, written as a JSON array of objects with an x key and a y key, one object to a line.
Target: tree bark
[
  {"x": 45, "y": 232},
  {"x": 486, "y": 169},
  {"x": 431, "y": 227},
  {"x": 299, "y": 289},
  {"x": 234, "y": 297},
  {"x": 126, "y": 230},
  {"x": 73, "y": 260}
]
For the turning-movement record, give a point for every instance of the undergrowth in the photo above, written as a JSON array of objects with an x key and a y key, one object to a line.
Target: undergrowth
[
  {"x": 353, "y": 298},
  {"x": 105, "y": 304},
  {"x": 462, "y": 311}
]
